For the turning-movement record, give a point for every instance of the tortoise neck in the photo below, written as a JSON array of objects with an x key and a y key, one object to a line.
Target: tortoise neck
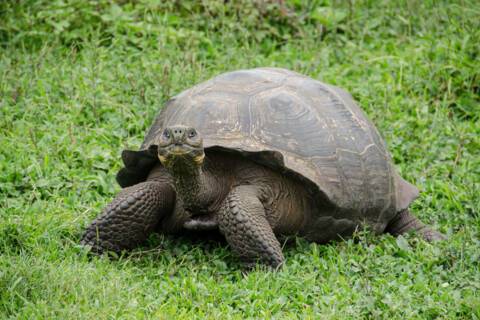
[{"x": 191, "y": 185}]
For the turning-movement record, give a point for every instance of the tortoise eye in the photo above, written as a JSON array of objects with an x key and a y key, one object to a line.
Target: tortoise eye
[
  {"x": 192, "y": 133},
  {"x": 166, "y": 134}
]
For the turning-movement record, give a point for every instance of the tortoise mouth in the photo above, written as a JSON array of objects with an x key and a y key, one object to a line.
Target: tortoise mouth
[
  {"x": 178, "y": 153},
  {"x": 179, "y": 149}
]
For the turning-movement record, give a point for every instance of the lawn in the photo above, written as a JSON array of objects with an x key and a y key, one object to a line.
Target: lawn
[{"x": 82, "y": 80}]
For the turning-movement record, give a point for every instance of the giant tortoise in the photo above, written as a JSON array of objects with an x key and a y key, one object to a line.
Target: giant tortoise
[{"x": 258, "y": 154}]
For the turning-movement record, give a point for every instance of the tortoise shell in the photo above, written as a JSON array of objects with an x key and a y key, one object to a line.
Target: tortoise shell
[{"x": 292, "y": 123}]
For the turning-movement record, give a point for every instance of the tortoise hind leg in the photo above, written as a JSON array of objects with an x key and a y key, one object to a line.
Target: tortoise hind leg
[
  {"x": 129, "y": 219},
  {"x": 405, "y": 222}
]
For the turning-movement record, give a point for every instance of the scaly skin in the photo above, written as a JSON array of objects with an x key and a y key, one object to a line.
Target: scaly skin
[
  {"x": 243, "y": 221},
  {"x": 405, "y": 222},
  {"x": 130, "y": 217}
]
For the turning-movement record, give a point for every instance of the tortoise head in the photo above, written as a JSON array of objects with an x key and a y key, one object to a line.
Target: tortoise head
[{"x": 180, "y": 145}]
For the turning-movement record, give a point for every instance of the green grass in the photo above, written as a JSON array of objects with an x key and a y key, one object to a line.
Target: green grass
[{"x": 80, "y": 82}]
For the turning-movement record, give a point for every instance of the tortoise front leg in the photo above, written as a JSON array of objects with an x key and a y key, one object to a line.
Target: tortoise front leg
[
  {"x": 130, "y": 217},
  {"x": 243, "y": 222}
]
